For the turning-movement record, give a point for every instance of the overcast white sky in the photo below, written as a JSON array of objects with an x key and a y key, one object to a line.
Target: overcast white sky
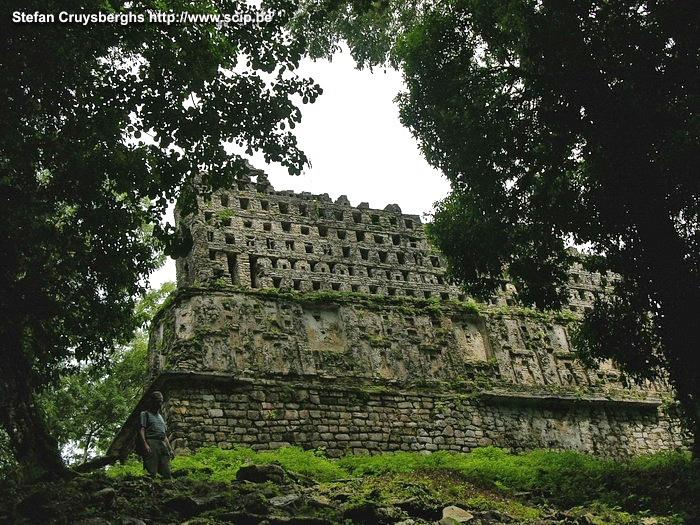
[{"x": 356, "y": 145}]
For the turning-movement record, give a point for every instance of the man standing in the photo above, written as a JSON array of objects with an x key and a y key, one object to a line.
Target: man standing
[{"x": 156, "y": 459}]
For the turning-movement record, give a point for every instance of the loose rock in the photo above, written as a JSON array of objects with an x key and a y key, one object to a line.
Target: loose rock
[
  {"x": 454, "y": 515},
  {"x": 261, "y": 473}
]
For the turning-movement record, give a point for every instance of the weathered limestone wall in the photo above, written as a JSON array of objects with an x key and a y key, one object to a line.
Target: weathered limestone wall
[
  {"x": 252, "y": 335},
  {"x": 268, "y": 414},
  {"x": 255, "y": 237}
]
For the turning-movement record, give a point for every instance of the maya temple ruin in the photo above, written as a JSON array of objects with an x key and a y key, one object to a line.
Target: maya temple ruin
[{"x": 299, "y": 320}]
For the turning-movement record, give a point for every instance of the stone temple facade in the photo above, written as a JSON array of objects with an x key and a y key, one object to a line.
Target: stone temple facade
[{"x": 302, "y": 321}]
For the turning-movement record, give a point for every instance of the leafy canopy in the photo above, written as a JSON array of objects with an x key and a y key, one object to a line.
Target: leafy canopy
[
  {"x": 102, "y": 126},
  {"x": 558, "y": 123},
  {"x": 79, "y": 178}
]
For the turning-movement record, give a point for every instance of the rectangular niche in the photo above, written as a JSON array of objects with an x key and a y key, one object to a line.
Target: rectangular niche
[
  {"x": 472, "y": 341},
  {"x": 232, "y": 263},
  {"x": 324, "y": 329},
  {"x": 558, "y": 338}
]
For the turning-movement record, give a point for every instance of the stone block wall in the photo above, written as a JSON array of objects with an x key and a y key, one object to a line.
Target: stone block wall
[
  {"x": 344, "y": 419},
  {"x": 255, "y": 237}
]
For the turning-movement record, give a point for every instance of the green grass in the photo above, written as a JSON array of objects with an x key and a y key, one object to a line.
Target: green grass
[
  {"x": 214, "y": 464},
  {"x": 663, "y": 483},
  {"x": 545, "y": 472},
  {"x": 515, "y": 509}
]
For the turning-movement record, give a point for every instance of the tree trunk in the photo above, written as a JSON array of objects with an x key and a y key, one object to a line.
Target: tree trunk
[
  {"x": 86, "y": 447},
  {"x": 678, "y": 291},
  {"x": 95, "y": 463},
  {"x": 637, "y": 190},
  {"x": 35, "y": 450},
  {"x": 693, "y": 407}
]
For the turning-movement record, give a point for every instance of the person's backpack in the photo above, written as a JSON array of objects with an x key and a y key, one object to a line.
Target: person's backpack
[{"x": 138, "y": 442}]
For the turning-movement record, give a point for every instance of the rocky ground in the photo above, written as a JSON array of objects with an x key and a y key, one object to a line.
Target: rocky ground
[{"x": 271, "y": 495}]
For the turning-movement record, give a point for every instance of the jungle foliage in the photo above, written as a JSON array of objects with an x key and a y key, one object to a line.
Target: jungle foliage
[
  {"x": 102, "y": 126},
  {"x": 87, "y": 407}
]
